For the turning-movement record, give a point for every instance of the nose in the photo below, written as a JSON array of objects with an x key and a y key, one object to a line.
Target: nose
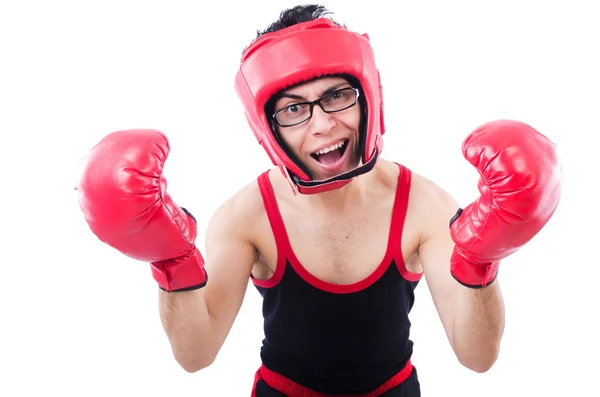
[{"x": 321, "y": 122}]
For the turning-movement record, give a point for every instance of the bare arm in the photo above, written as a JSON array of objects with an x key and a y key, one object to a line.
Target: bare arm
[
  {"x": 472, "y": 318},
  {"x": 197, "y": 322}
]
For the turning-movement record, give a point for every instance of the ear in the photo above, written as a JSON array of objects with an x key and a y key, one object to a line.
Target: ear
[{"x": 275, "y": 130}]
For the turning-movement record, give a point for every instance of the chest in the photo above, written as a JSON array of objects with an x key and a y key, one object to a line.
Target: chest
[{"x": 339, "y": 248}]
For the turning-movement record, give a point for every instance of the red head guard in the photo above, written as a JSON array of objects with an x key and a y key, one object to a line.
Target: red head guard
[{"x": 281, "y": 59}]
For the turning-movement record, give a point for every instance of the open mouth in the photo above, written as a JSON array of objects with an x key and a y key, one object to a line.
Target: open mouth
[{"x": 332, "y": 154}]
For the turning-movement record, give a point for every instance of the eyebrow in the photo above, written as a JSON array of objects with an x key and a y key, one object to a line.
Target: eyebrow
[{"x": 329, "y": 90}]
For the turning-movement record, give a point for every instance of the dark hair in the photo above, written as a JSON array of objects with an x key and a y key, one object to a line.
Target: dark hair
[{"x": 295, "y": 15}]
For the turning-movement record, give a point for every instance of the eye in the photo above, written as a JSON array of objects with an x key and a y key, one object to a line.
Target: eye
[
  {"x": 337, "y": 96},
  {"x": 295, "y": 108}
]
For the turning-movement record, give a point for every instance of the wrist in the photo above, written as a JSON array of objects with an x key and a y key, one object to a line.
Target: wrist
[
  {"x": 471, "y": 273},
  {"x": 181, "y": 274}
]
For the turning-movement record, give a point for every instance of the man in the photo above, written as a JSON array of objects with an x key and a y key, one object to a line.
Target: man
[{"x": 335, "y": 238}]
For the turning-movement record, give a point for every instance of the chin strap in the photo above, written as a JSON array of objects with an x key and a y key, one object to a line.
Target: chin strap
[{"x": 314, "y": 187}]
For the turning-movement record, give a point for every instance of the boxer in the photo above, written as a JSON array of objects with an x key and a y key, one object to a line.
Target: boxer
[{"x": 334, "y": 237}]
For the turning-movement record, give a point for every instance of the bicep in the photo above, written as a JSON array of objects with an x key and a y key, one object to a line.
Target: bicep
[
  {"x": 435, "y": 258},
  {"x": 230, "y": 256},
  {"x": 435, "y": 252}
]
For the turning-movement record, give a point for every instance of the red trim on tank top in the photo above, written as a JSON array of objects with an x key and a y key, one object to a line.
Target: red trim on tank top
[
  {"x": 399, "y": 216},
  {"x": 285, "y": 253},
  {"x": 278, "y": 229}
]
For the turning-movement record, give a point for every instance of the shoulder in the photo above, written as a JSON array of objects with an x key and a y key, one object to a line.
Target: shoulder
[
  {"x": 240, "y": 211},
  {"x": 422, "y": 188},
  {"x": 432, "y": 204},
  {"x": 431, "y": 192}
]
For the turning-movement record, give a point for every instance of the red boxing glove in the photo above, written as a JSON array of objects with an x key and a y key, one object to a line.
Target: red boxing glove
[
  {"x": 122, "y": 194},
  {"x": 520, "y": 188}
]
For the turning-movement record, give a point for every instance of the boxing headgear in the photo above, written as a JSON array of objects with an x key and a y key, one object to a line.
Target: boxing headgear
[{"x": 281, "y": 59}]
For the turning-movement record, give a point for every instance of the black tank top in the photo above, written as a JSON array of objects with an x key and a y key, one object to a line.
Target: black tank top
[{"x": 337, "y": 339}]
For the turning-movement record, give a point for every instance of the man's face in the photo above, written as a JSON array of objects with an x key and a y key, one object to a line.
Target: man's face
[{"x": 327, "y": 143}]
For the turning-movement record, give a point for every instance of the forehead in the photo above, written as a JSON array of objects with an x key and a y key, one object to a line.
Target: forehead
[{"x": 317, "y": 85}]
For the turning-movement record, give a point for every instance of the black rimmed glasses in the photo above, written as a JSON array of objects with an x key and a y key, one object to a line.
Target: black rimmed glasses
[{"x": 298, "y": 113}]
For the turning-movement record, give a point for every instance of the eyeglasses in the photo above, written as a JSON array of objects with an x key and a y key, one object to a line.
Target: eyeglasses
[{"x": 298, "y": 113}]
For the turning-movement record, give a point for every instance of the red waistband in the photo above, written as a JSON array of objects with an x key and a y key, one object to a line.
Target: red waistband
[{"x": 293, "y": 389}]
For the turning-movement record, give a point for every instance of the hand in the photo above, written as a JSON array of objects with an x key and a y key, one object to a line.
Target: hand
[
  {"x": 520, "y": 188},
  {"x": 122, "y": 193}
]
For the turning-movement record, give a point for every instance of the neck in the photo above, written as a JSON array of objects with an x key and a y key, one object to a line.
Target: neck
[{"x": 338, "y": 200}]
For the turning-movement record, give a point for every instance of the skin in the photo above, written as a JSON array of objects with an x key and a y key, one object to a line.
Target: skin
[
  {"x": 324, "y": 129},
  {"x": 342, "y": 242}
]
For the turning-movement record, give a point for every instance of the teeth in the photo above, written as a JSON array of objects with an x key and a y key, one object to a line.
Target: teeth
[{"x": 332, "y": 147}]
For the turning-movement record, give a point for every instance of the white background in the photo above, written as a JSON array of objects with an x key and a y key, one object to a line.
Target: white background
[{"x": 79, "y": 319}]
